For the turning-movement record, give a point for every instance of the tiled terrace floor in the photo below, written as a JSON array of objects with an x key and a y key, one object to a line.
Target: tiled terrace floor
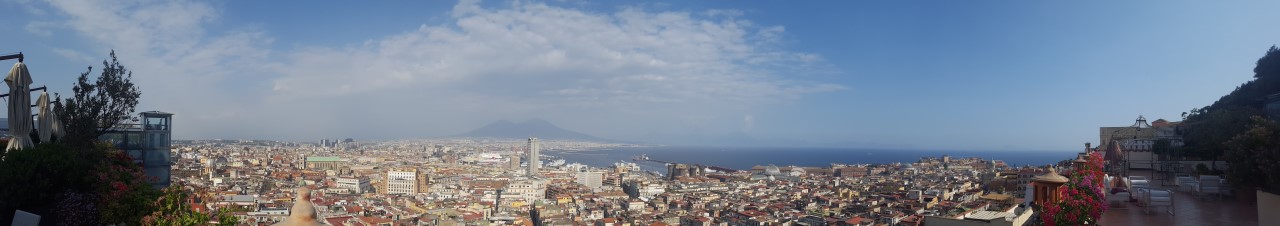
[{"x": 1189, "y": 209}]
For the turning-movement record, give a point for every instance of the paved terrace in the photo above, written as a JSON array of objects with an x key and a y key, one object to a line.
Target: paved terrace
[{"x": 1188, "y": 210}]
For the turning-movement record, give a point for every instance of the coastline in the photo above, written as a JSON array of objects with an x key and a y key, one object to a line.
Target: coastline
[{"x": 745, "y": 158}]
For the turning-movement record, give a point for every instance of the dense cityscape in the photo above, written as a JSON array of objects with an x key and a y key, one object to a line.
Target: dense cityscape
[
  {"x": 471, "y": 182},
  {"x": 486, "y": 181},
  {"x": 674, "y": 113}
]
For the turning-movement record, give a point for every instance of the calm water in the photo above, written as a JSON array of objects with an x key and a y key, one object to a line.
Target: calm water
[{"x": 745, "y": 158}]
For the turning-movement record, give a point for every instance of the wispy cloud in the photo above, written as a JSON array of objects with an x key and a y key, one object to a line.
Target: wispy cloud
[
  {"x": 75, "y": 56},
  {"x": 519, "y": 59},
  {"x": 41, "y": 28}
]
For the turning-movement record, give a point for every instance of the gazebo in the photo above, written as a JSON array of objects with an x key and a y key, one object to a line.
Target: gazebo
[{"x": 1046, "y": 187}]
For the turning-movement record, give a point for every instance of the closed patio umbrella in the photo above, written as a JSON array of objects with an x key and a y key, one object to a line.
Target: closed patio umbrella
[
  {"x": 45, "y": 118},
  {"x": 57, "y": 129},
  {"x": 19, "y": 81}
]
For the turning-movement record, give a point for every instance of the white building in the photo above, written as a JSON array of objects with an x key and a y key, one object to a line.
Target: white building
[
  {"x": 653, "y": 189},
  {"x": 1138, "y": 141},
  {"x": 402, "y": 182},
  {"x": 357, "y": 185},
  {"x": 590, "y": 179},
  {"x": 529, "y": 190}
]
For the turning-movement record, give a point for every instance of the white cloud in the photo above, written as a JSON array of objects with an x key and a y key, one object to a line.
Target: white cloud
[
  {"x": 179, "y": 66},
  {"x": 629, "y": 68},
  {"x": 564, "y": 55},
  {"x": 41, "y": 28},
  {"x": 73, "y": 55}
]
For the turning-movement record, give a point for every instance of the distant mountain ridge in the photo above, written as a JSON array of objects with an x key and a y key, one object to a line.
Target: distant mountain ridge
[{"x": 529, "y": 128}]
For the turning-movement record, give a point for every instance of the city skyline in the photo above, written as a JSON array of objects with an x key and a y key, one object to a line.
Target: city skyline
[{"x": 897, "y": 75}]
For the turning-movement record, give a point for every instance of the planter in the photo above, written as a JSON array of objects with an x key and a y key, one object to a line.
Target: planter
[{"x": 1267, "y": 204}]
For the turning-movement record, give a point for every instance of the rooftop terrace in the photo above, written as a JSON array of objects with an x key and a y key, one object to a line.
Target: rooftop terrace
[{"x": 1188, "y": 209}]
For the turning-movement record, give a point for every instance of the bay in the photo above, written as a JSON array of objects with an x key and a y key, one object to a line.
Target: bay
[{"x": 746, "y": 157}]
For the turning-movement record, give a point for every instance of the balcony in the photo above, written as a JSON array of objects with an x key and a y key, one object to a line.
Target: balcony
[{"x": 1188, "y": 209}]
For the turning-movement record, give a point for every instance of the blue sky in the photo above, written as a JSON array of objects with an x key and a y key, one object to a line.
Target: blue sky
[{"x": 972, "y": 75}]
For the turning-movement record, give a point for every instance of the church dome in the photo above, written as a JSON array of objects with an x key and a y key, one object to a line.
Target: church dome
[{"x": 772, "y": 170}]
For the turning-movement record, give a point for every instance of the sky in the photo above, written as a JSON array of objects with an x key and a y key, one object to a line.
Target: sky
[{"x": 944, "y": 75}]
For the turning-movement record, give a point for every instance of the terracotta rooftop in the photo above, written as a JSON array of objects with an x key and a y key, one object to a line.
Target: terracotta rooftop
[{"x": 1052, "y": 177}]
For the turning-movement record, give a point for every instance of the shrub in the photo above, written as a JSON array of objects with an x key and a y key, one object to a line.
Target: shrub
[
  {"x": 1254, "y": 157},
  {"x": 66, "y": 186},
  {"x": 173, "y": 208}
]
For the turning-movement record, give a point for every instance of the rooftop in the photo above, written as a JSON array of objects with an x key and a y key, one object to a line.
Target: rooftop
[
  {"x": 323, "y": 159},
  {"x": 989, "y": 215}
]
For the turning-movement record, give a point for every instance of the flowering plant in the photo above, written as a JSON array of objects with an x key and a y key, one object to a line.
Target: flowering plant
[
  {"x": 123, "y": 189},
  {"x": 174, "y": 207},
  {"x": 1084, "y": 199}
]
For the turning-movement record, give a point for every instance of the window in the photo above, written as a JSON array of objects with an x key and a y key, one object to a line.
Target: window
[
  {"x": 115, "y": 139},
  {"x": 133, "y": 140},
  {"x": 157, "y": 123}
]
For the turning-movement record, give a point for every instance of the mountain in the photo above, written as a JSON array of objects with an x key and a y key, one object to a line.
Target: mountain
[{"x": 529, "y": 128}]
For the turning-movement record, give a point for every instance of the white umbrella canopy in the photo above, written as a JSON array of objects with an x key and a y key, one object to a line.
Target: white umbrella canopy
[
  {"x": 19, "y": 81},
  {"x": 56, "y": 128},
  {"x": 45, "y": 118},
  {"x": 58, "y": 124}
]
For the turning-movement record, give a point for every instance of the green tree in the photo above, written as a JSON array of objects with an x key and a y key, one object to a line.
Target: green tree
[
  {"x": 1206, "y": 133},
  {"x": 1163, "y": 147},
  {"x": 1254, "y": 156},
  {"x": 103, "y": 103},
  {"x": 1208, "y": 129}
]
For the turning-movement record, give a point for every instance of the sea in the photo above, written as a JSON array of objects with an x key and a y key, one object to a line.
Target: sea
[{"x": 742, "y": 158}]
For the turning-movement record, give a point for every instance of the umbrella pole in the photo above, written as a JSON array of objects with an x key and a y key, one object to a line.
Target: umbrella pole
[
  {"x": 13, "y": 56},
  {"x": 32, "y": 90}
]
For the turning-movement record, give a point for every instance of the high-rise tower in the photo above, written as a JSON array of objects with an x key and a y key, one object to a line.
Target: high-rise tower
[{"x": 534, "y": 147}]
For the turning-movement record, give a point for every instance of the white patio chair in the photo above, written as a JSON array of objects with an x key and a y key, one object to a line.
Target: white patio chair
[
  {"x": 1116, "y": 199},
  {"x": 1187, "y": 183},
  {"x": 1137, "y": 186},
  {"x": 1209, "y": 185},
  {"x": 1155, "y": 198}
]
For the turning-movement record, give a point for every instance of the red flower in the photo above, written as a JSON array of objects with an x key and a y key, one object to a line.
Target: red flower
[{"x": 118, "y": 186}]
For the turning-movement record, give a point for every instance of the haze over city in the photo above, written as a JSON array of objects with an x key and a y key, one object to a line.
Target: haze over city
[{"x": 902, "y": 75}]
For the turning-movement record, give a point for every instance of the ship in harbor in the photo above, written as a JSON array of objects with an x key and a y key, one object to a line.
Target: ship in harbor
[
  {"x": 557, "y": 162},
  {"x": 640, "y": 157}
]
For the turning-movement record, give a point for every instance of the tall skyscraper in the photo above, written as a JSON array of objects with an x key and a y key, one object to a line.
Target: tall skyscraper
[{"x": 533, "y": 157}]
